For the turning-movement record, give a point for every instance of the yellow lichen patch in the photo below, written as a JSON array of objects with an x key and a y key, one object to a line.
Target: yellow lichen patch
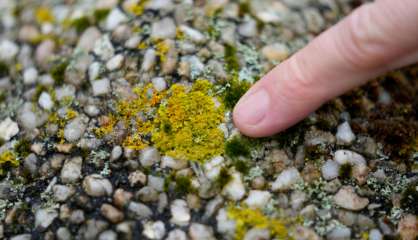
[
  {"x": 7, "y": 158},
  {"x": 44, "y": 15},
  {"x": 161, "y": 50},
  {"x": 186, "y": 126},
  {"x": 246, "y": 218},
  {"x": 54, "y": 118},
  {"x": 106, "y": 125},
  {"x": 137, "y": 8}
]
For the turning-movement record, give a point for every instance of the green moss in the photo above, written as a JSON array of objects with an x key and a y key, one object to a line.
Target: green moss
[
  {"x": 22, "y": 148},
  {"x": 241, "y": 165},
  {"x": 80, "y": 24},
  {"x": 57, "y": 71},
  {"x": 2, "y": 96},
  {"x": 345, "y": 171},
  {"x": 101, "y": 14},
  {"x": 183, "y": 185},
  {"x": 238, "y": 146},
  {"x": 223, "y": 178},
  {"x": 409, "y": 198},
  {"x": 231, "y": 59},
  {"x": 234, "y": 90},
  {"x": 4, "y": 69}
]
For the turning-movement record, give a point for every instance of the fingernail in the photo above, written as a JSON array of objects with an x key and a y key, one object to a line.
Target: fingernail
[{"x": 253, "y": 107}]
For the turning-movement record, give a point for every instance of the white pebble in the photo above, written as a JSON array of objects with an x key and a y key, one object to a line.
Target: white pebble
[
  {"x": 165, "y": 28},
  {"x": 45, "y": 101},
  {"x": 94, "y": 71},
  {"x": 339, "y": 233},
  {"x": 30, "y": 75},
  {"x": 344, "y": 134},
  {"x": 74, "y": 130},
  {"x": 257, "y": 198},
  {"x": 154, "y": 230},
  {"x": 149, "y": 156},
  {"x": 44, "y": 218},
  {"x": 159, "y": 84},
  {"x": 115, "y": 17},
  {"x": 180, "y": 213},
  {"x": 8, "y": 50},
  {"x": 375, "y": 234},
  {"x": 286, "y": 179},
  {"x": 115, "y": 62},
  {"x": 347, "y": 198},
  {"x": 97, "y": 186},
  {"x": 101, "y": 87},
  {"x": 234, "y": 190},
  {"x": 193, "y": 34},
  {"x": 330, "y": 170},
  {"x": 104, "y": 48},
  {"x": 8, "y": 129},
  {"x": 347, "y": 156}
]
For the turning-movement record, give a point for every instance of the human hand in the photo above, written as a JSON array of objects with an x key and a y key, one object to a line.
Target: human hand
[{"x": 376, "y": 38}]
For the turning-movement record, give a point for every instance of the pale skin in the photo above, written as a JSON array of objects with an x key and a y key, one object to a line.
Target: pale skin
[{"x": 374, "y": 39}]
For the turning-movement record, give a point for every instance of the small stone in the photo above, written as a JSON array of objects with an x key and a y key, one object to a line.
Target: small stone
[
  {"x": 257, "y": 199},
  {"x": 115, "y": 18},
  {"x": 224, "y": 224},
  {"x": 121, "y": 198},
  {"x": 193, "y": 34},
  {"x": 269, "y": 11},
  {"x": 88, "y": 38},
  {"x": 149, "y": 156},
  {"x": 62, "y": 192},
  {"x": 137, "y": 178},
  {"x": 63, "y": 233},
  {"x": 30, "y": 75},
  {"x": 348, "y": 199},
  {"x": 96, "y": 186},
  {"x": 150, "y": 58},
  {"x": 115, "y": 62},
  {"x": 77, "y": 216},
  {"x": 45, "y": 101},
  {"x": 248, "y": 28},
  {"x": 30, "y": 118},
  {"x": 74, "y": 130},
  {"x": 71, "y": 171},
  {"x": 347, "y": 156},
  {"x": 8, "y": 129},
  {"x": 154, "y": 230},
  {"x": 111, "y": 213},
  {"x": 156, "y": 182},
  {"x": 44, "y": 53},
  {"x": 165, "y": 28},
  {"x": 408, "y": 227},
  {"x": 169, "y": 162},
  {"x": 297, "y": 199},
  {"x": 108, "y": 235},
  {"x": 139, "y": 211},
  {"x": 44, "y": 218},
  {"x": 92, "y": 110},
  {"x": 116, "y": 153},
  {"x": 180, "y": 213},
  {"x": 176, "y": 234},
  {"x": 22, "y": 237},
  {"x": 199, "y": 231},
  {"x": 30, "y": 164},
  {"x": 213, "y": 167},
  {"x": 275, "y": 52},
  {"x": 8, "y": 50},
  {"x": 375, "y": 234},
  {"x": 66, "y": 91},
  {"x": 147, "y": 194},
  {"x": 234, "y": 190},
  {"x": 330, "y": 170},
  {"x": 344, "y": 134},
  {"x": 100, "y": 87},
  {"x": 286, "y": 179},
  {"x": 159, "y": 84},
  {"x": 339, "y": 233},
  {"x": 104, "y": 48}
]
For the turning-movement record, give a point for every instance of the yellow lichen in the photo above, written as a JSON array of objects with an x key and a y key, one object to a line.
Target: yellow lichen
[
  {"x": 181, "y": 122},
  {"x": 180, "y": 34},
  {"x": 187, "y": 125},
  {"x": 44, "y": 15},
  {"x": 246, "y": 218},
  {"x": 137, "y": 8},
  {"x": 7, "y": 158},
  {"x": 162, "y": 49},
  {"x": 54, "y": 118}
]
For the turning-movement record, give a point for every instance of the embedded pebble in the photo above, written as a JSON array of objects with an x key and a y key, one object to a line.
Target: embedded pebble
[
  {"x": 97, "y": 186},
  {"x": 330, "y": 170},
  {"x": 257, "y": 198},
  {"x": 71, "y": 171},
  {"x": 8, "y": 129},
  {"x": 74, "y": 130},
  {"x": 234, "y": 189},
  {"x": 339, "y": 233},
  {"x": 164, "y": 28},
  {"x": 154, "y": 230},
  {"x": 30, "y": 75},
  {"x": 44, "y": 218},
  {"x": 344, "y": 134},
  {"x": 104, "y": 48},
  {"x": 180, "y": 213},
  {"x": 275, "y": 52},
  {"x": 201, "y": 232},
  {"x": 100, "y": 87},
  {"x": 115, "y": 62},
  {"x": 45, "y": 101},
  {"x": 115, "y": 18},
  {"x": 347, "y": 198},
  {"x": 347, "y": 156},
  {"x": 286, "y": 179},
  {"x": 8, "y": 50},
  {"x": 149, "y": 156}
]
